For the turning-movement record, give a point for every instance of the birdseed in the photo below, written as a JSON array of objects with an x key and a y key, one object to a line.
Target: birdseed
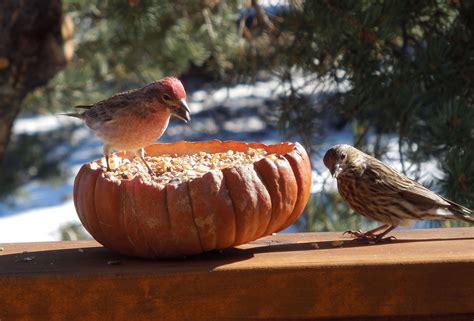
[
  {"x": 337, "y": 243},
  {"x": 175, "y": 169}
]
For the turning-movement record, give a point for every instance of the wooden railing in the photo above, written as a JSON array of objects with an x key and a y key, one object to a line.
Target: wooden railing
[{"x": 423, "y": 275}]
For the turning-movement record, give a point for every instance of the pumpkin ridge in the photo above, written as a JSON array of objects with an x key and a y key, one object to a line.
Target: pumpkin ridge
[
  {"x": 238, "y": 227},
  {"x": 223, "y": 187},
  {"x": 183, "y": 229},
  {"x": 96, "y": 217},
  {"x": 168, "y": 221},
  {"x": 224, "y": 184},
  {"x": 165, "y": 200},
  {"x": 260, "y": 177},
  {"x": 298, "y": 187},
  {"x": 280, "y": 187},
  {"x": 97, "y": 197},
  {"x": 80, "y": 210},
  {"x": 122, "y": 216},
  {"x": 249, "y": 208},
  {"x": 194, "y": 217},
  {"x": 149, "y": 248},
  {"x": 299, "y": 175}
]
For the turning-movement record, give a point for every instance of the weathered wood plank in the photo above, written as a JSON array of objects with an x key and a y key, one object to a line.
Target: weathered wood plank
[{"x": 424, "y": 275}]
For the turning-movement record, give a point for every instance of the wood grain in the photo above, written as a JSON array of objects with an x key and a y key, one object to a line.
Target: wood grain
[{"x": 423, "y": 275}]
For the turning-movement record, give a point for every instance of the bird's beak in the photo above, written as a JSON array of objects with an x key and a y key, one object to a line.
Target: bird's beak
[
  {"x": 336, "y": 170},
  {"x": 332, "y": 168},
  {"x": 182, "y": 111}
]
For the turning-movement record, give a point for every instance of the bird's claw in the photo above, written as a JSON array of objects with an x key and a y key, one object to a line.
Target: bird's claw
[
  {"x": 369, "y": 237},
  {"x": 359, "y": 234}
]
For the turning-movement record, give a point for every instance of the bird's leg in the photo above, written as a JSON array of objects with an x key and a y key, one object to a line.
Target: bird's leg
[
  {"x": 141, "y": 154},
  {"x": 380, "y": 236},
  {"x": 107, "y": 151},
  {"x": 107, "y": 162},
  {"x": 375, "y": 230}
]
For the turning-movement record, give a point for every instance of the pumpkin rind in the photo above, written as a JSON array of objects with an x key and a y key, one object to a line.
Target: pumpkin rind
[
  {"x": 221, "y": 209},
  {"x": 186, "y": 235},
  {"x": 280, "y": 182},
  {"x": 251, "y": 202},
  {"x": 213, "y": 211},
  {"x": 108, "y": 206},
  {"x": 301, "y": 166}
]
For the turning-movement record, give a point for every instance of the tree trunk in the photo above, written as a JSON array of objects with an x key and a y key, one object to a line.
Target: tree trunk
[
  {"x": 31, "y": 53},
  {"x": 9, "y": 108}
]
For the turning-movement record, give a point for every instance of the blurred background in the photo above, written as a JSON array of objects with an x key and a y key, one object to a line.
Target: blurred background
[{"x": 394, "y": 78}]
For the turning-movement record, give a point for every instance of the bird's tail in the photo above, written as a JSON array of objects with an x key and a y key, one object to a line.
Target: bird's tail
[
  {"x": 461, "y": 213},
  {"x": 77, "y": 115},
  {"x": 466, "y": 218}
]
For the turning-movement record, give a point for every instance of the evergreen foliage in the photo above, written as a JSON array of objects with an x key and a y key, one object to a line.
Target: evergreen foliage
[{"x": 405, "y": 69}]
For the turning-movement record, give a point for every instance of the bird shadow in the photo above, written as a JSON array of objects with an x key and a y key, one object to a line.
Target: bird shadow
[{"x": 338, "y": 244}]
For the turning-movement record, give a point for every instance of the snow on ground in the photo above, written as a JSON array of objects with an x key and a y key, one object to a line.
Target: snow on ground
[
  {"x": 226, "y": 114},
  {"x": 36, "y": 225},
  {"x": 41, "y": 124}
]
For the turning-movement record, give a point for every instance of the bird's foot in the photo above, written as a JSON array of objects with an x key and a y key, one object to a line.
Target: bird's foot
[
  {"x": 359, "y": 234},
  {"x": 369, "y": 237},
  {"x": 151, "y": 172},
  {"x": 148, "y": 167}
]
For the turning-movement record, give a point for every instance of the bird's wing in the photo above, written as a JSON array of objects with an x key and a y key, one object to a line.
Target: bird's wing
[
  {"x": 386, "y": 180},
  {"x": 100, "y": 111},
  {"x": 105, "y": 110},
  {"x": 420, "y": 195},
  {"x": 459, "y": 208},
  {"x": 390, "y": 181}
]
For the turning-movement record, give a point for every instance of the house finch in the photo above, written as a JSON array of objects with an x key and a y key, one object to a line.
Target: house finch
[
  {"x": 134, "y": 119},
  {"x": 379, "y": 192}
]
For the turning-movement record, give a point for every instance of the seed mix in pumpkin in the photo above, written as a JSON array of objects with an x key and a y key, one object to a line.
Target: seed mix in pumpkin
[{"x": 176, "y": 169}]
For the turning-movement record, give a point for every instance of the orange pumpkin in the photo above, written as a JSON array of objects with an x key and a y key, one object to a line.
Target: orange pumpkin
[{"x": 221, "y": 209}]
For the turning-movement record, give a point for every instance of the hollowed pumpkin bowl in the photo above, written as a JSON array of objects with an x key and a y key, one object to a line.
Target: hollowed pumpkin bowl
[{"x": 221, "y": 209}]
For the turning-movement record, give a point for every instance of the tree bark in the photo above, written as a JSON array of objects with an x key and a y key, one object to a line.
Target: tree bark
[{"x": 31, "y": 53}]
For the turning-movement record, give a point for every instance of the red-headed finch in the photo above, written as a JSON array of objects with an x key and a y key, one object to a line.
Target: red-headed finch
[
  {"x": 381, "y": 193},
  {"x": 134, "y": 119}
]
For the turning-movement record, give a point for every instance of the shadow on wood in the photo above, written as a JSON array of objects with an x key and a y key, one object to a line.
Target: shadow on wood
[{"x": 424, "y": 275}]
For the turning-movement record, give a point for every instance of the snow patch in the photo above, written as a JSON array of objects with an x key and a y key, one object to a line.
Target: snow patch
[
  {"x": 42, "y": 124},
  {"x": 37, "y": 225}
]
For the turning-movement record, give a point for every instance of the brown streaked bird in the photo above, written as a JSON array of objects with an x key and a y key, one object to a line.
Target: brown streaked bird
[
  {"x": 381, "y": 193},
  {"x": 134, "y": 119}
]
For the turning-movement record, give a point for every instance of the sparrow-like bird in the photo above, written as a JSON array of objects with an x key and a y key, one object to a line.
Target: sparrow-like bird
[
  {"x": 134, "y": 119},
  {"x": 381, "y": 193}
]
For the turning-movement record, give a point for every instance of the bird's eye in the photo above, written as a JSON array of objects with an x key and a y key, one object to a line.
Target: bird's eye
[
  {"x": 166, "y": 97},
  {"x": 343, "y": 156}
]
